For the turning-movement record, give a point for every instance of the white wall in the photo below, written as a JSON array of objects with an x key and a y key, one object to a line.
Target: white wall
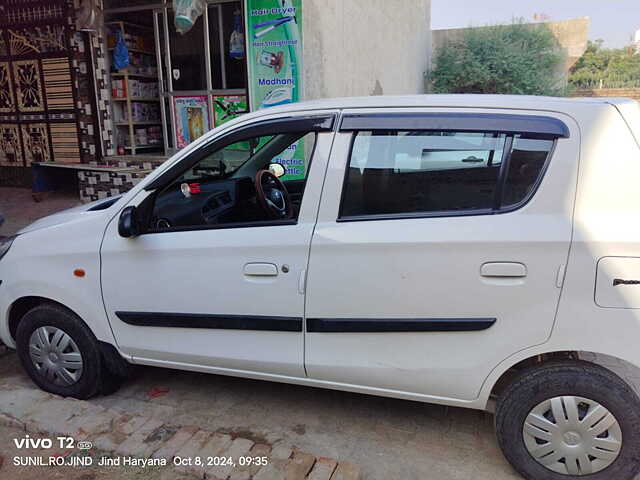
[{"x": 365, "y": 47}]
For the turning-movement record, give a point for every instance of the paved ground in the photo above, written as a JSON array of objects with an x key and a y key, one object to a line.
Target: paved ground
[
  {"x": 9, "y": 471},
  {"x": 142, "y": 446},
  {"x": 390, "y": 439}
]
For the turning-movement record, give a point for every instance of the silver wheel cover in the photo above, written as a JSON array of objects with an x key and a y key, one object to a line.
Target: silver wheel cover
[
  {"x": 55, "y": 356},
  {"x": 572, "y": 435}
]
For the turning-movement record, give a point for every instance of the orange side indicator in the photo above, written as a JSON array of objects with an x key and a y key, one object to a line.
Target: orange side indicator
[{"x": 79, "y": 272}]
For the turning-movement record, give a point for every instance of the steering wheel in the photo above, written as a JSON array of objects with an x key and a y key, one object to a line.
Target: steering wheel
[{"x": 272, "y": 195}]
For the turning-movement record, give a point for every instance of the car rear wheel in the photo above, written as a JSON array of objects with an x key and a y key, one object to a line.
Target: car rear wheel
[
  {"x": 59, "y": 352},
  {"x": 570, "y": 420}
]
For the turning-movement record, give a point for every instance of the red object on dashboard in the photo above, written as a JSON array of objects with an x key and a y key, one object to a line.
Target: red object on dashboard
[{"x": 194, "y": 188}]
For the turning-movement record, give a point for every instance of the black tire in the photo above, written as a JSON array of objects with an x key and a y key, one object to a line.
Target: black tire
[
  {"x": 574, "y": 378},
  {"x": 93, "y": 372}
]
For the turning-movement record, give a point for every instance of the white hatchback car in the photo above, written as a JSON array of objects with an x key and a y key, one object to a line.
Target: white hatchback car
[{"x": 447, "y": 249}]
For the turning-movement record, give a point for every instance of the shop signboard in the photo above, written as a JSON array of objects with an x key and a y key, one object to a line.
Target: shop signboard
[
  {"x": 192, "y": 119},
  {"x": 274, "y": 38}
]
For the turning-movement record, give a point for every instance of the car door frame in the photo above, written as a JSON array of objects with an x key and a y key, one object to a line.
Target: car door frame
[
  {"x": 321, "y": 122},
  {"x": 334, "y": 360}
]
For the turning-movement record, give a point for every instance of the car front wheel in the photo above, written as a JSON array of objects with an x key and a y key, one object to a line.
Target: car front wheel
[
  {"x": 59, "y": 352},
  {"x": 570, "y": 420}
]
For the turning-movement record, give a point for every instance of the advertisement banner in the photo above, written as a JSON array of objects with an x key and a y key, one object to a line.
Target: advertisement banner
[
  {"x": 192, "y": 119},
  {"x": 274, "y": 37},
  {"x": 228, "y": 107}
]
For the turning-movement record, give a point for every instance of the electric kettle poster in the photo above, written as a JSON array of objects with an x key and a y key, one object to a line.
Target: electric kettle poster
[{"x": 274, "y": 32}]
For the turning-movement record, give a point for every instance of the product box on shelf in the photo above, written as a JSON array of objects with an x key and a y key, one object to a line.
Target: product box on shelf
[{"x": 118, "y": 88}]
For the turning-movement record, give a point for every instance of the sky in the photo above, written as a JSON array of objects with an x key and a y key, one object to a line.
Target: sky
[{"x": 614, "y": 21}]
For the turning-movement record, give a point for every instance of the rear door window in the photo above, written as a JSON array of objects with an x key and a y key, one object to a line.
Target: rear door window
[{"x": 440, "y": 173}]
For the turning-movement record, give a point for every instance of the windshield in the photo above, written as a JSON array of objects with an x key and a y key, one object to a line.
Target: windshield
[{"x": 225, "y": 162}]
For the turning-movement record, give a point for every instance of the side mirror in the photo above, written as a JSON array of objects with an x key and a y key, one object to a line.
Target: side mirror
[
  {"x": 128, "y": 223},
  {"x": 277, "y": 169}
]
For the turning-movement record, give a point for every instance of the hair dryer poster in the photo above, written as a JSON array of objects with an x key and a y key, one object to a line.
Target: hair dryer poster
[
  {"x": 274, "y": 37},
  {"x": 274, "y": 58}
]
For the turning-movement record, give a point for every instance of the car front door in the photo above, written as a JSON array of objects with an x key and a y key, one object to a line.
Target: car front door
[
  {"x": 213, "y": 282},
  {"x": 440, "y": 247}
]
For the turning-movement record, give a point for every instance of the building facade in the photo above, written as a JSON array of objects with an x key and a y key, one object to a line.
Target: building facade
[
  {"x": 94, "y": 94},
  {"x": 47, "y": 90}
]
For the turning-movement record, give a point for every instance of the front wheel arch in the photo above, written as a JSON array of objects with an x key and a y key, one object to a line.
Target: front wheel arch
[
  {"x": 114, "y": 362},
  {"x": 22, "y": 305}
]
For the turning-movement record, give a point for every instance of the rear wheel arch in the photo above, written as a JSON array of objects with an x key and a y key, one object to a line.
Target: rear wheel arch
[
  {"x": 620, "y": 367},
  {"x": 541, "y": 422}
]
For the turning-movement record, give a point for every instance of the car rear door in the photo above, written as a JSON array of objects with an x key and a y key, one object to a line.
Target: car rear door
[{"x": 440, "y": 246}]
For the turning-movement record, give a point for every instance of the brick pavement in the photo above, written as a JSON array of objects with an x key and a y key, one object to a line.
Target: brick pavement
[{"x": 203, "y": 454}]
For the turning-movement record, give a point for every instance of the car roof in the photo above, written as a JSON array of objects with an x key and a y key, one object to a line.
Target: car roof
[
  {"x": 525, "y": 102},
  {"x": 575, "y": 107}
]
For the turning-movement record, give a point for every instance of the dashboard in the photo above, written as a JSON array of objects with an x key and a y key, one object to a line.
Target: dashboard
[{"x": 213, "y": 202}]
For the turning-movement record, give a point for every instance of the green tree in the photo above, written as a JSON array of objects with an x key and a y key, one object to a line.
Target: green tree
[
  {"x": 518, "y": 58},
  {"x": 606, "y": 67}
]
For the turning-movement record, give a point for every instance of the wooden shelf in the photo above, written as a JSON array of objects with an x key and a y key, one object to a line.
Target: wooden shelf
[
  {"x": 136, "y": 99},
  {"x": 130, "y": 24},
  {"x": 140, "y": 75},
  {"x": 135, "y": 50},
  {"x": 152, "y": 145},
  {"x": 126, "y": 124},
  {"x": 125, "y": 106}
]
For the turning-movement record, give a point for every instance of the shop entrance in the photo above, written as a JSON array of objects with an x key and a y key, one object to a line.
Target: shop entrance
[{"x": 176, "y": 86}]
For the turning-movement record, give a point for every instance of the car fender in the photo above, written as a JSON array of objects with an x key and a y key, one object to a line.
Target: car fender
[
  {"x": 543, "y": 349},
  {"x": 60, "y": 263}
]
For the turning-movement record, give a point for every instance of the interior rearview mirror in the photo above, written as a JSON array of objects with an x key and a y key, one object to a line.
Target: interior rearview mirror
[
  {"x": 253, "y": 144},
  {"x": 277, "y": 169},
  {"x": 128, "y": 223}
]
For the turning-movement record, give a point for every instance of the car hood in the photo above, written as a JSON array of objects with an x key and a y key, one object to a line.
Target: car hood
[{"x": 69, "y": 215}]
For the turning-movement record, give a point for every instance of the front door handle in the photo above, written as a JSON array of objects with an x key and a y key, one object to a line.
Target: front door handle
[
  {"x": 503, "y": 270},
  {"x": 260, "y": 270}
]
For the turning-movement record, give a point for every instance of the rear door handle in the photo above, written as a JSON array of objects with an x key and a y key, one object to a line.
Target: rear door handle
[
  {"x": 503, "y": 270},
  {"x": 260, "y": 270}
]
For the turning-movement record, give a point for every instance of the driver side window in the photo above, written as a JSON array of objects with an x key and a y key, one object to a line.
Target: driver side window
[
  {"x": 220, "y": 163},
  {"x": 257, "y": 180}
]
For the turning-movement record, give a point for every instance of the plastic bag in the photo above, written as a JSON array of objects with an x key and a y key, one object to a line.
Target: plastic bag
[
  {"x": 236, "y": 42},
  {"x": 120, "y": 53},
  {"x": 187, "y": 13}
]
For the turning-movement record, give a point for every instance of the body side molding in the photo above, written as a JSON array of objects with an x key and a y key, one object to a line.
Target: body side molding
[
  {"x": 203, "y": 320},
  {"x": 335, "y": 325}
]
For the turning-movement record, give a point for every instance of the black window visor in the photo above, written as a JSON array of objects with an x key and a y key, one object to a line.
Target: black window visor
[
  {"x": 457, "y": 122},
  {"x": 315, "y": 123}
]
